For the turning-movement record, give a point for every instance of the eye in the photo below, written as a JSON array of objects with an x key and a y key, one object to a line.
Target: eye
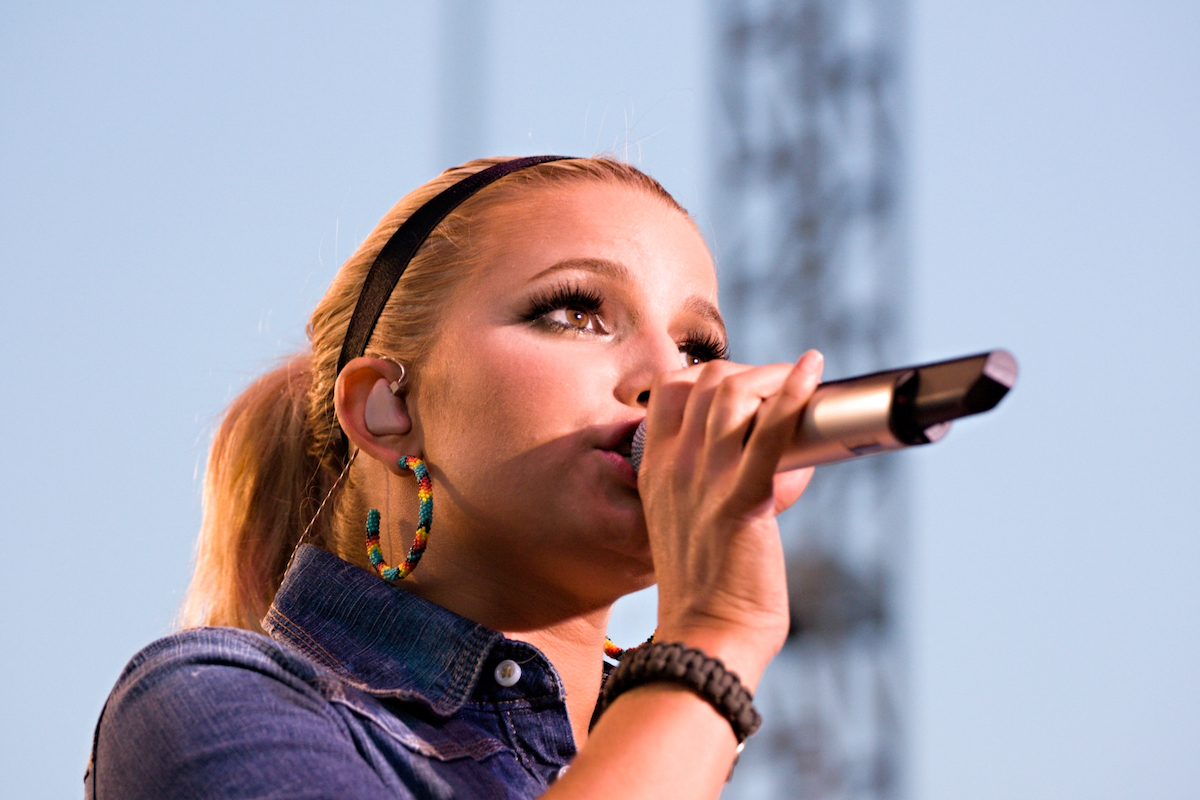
[
  {"x": 578, "y": 318},
  {"x": 701, "y": 347},
  {"x": 568, "y": 307}
]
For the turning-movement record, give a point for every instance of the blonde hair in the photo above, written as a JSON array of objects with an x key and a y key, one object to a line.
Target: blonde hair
[{"x": 279, "y": 453}]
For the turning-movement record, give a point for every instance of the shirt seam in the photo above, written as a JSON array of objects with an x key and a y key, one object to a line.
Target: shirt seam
[{"x": 311, "y": 647}]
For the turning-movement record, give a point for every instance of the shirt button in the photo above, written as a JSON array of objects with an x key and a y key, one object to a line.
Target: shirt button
[{"x": 508, "y": 672}]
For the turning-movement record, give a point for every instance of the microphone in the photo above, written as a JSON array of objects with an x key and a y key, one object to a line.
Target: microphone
[{"x": 888, "y": 410}]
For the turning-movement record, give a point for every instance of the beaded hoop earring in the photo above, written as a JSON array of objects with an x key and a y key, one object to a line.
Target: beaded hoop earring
[
  {"x": 616, "y": 653},
  {"x": 424, "y": 523}
]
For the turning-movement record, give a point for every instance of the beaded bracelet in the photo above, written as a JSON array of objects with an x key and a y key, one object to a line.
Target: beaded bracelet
[{"x": 689, "y": 667}]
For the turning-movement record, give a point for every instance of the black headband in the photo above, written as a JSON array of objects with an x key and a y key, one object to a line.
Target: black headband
[{"x": 394, "y": 257}]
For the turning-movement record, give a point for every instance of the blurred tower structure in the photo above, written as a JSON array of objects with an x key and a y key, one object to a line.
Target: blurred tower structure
[
  {"x": 463, "y": 80},
  {"x": 810, "y": 247}
]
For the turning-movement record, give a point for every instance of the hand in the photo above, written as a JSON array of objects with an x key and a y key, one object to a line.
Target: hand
[{"x": 714, "y": 437}]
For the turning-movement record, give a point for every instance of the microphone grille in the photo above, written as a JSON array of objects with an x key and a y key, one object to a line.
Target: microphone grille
[{"x": 639, "y": 446}]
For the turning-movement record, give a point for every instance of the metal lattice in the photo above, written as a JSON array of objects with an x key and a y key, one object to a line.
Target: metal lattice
[{"x": 810, "y": 247}]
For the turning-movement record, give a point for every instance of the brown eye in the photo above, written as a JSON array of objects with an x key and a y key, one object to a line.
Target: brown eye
[
  {"x": 699, "y": 348},
  {"x": 569, "y": 308},
  {"x": 576, "y": 319}
]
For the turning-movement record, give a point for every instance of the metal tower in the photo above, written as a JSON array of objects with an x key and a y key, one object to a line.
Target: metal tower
[{"x": 810, "y": 246}]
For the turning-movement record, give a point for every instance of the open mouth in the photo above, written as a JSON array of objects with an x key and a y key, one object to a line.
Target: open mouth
[
  {"x": 619, "y": 440},
  {"x": 622, "y": 441}
]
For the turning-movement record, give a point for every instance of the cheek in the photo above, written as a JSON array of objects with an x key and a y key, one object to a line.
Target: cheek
[
  {"x": 508, "y": 393},
  {"x": 507, "y": 433}
]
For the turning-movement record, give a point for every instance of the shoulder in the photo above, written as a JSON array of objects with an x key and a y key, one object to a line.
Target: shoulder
[
  {"x": 221, "y": 712},
  {"x": 233, "y": 653},
  {"x": 198, "y": 670}
]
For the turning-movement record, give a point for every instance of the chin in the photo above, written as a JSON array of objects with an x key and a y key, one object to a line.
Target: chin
[
  {"x": 632, "y": 559},
  {"x": 619, "y": 580},
  {"x": 616, "y": 548}
]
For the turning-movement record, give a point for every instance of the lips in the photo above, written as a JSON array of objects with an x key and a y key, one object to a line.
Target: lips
[
  {"x": 619, "y": 438},
  {"x": 618, "y": 442}
]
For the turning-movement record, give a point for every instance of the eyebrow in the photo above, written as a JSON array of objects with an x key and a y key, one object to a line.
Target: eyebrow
[
  {"x": 706, "y": 310},
  {"x": 602, "y": 266}
]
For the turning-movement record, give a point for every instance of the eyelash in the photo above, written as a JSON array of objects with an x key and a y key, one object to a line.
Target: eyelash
[
  {"x": 704, "y": 347},
  {"x": 563, "y": 296},
  {"x": 701, "y": 346}
]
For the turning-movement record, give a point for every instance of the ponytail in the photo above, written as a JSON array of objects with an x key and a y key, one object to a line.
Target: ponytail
[{"x": 262, "y": 488}]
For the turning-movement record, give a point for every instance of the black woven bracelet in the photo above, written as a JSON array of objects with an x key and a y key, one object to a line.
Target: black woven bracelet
[{"x": 689, "y": 667}]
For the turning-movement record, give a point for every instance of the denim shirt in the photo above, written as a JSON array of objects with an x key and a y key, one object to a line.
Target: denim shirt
[{"x": 362, "y": 690}]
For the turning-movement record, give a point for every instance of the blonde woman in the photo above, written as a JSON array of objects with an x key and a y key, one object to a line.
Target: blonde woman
[{"x": 476, "y": 373}]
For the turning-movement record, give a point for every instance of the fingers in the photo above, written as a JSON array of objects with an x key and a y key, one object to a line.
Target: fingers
[
  {"x": 712, "y": 408},
  {"x": 681, "y": 399},
  {"x": 669, "y": 395},
  {"x": 734, "y": 406},
  {"x": 775, "y": 423},
  {"x": 720, "y": 391}
]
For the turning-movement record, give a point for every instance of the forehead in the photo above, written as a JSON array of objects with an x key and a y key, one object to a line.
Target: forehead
[{"x": 656, "y": 244}]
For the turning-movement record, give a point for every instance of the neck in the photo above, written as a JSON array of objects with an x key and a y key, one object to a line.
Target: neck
[
  {"x": 574, "y": 646},
  {"x": 571, "y": 635},
  {"x": 516, "y": 596}
]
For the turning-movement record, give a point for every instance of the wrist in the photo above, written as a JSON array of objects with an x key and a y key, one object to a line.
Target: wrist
[
  {"x": 724, "y": 624},
  {"x": 707, "y": 677},
  {"x": 741, "y": 655}
]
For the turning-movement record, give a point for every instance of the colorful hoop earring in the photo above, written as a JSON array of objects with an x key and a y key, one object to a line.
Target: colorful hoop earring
[
  {"x": 616, "y": 653},
  {"x": 424, "y": 523}
]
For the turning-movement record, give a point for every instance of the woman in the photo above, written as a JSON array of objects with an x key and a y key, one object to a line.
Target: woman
[{"x": 552, "y": 306}]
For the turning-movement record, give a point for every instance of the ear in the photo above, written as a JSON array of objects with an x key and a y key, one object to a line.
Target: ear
[{"x": 374, "y": 419}]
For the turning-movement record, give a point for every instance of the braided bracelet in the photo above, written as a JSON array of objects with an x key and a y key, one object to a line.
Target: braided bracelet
[{"x": 690, "y": 667}]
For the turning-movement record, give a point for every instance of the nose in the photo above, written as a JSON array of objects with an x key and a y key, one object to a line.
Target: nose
[{"x": 648, "y": 357}]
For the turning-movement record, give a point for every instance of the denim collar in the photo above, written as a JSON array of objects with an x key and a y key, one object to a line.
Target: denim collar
[{"x": 377, "y": 637}]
